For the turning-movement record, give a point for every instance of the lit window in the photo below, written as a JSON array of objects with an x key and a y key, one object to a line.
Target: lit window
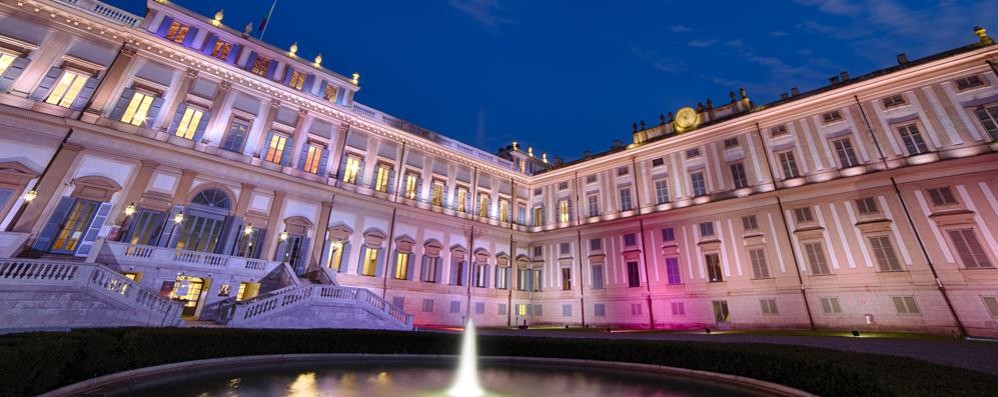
[
  {"x": 461, "y": 199},
  {"x": 352, "y": 170},
  {"x": 138, "y": 108},
  {"x": 275, "y": 149},
  {"x": 437, "y": 193},
  {"x": 68, "y": 88},
  {"x": 329, "y": 93},
  {"x": 713, "y": 262},
  {"x": 297, "y": 80},
  {"x": 335, "y": 255},
  {"x": 483, "y": 205},
  {"x": 538, "y": 216},
  {"x": 5, "y": 61},
  {"x": 370, "y": 261},
  {"x": 312, "y": 158},
  {"x": 189, "y": 123},
  {"x": 260, "y": 66},
  {"x": 381, "y": 181},
  {"x": 401, "y": 266},
  {"x": 411, "y": 186},
  {"x": 177, "y": 32},
  {"x": 563, "y": 211},
  {"x": 503, "y": 210},
  {"x": 221, "y": 50}
]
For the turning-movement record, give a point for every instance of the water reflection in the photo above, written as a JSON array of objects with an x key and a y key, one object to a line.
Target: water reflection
[{"x": 426, "y": 380}]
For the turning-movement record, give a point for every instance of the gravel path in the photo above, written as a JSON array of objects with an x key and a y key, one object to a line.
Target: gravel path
[{"x": 980, "y": 356}]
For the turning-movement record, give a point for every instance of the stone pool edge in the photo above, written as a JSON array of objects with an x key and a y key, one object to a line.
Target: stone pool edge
[{"x": 125, "y": 376}]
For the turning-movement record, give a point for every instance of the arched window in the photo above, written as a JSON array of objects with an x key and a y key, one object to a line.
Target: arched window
[{"x": 212, "y": 198}]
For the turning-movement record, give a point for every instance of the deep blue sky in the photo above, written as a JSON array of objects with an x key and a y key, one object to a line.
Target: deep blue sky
[{"x": 566, "y": 76}]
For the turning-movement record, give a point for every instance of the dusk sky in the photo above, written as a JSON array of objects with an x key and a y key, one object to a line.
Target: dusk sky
[{"x": 568, "y": 76}]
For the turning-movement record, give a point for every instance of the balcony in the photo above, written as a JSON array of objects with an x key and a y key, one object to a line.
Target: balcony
[{"x": 145, "y": 255}]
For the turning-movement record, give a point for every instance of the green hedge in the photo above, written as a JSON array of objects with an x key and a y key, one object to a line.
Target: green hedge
[{"x": 38, "y": 362}]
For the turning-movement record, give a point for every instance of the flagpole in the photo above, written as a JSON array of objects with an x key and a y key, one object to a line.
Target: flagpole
[{"x": 267, "y": 20}]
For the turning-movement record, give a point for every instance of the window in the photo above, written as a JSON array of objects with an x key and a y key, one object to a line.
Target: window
[
  {"x": 830, "y": 306},
  {"x": 912, "y": 139},
  {"x": 564, "y": 215},
  {"x": 789, "y": 164},
  {"x": 521, "y": 309},
  {"x": 480, "y": 272},
  {"x": 521, "y": 214},
  {"x": 538, "y": 192},
  {"x": 329, "y": 93},
  {"x": 538, "y": 251},
  {"x": 630, "y": 240},
  {"x": 566, "y": 310},
  {"x": 738, "y": 175},
  {"x": 779, "y": 130},
  {"x": 658, "y": 162},
  {"x": 672, "y": 270},
  {"x": 599, "y": 310},
  {"x": 479, "y": 307},
  {"x": 502, "y": 277},
  {"x": 884, "y": 253},
  {"x": 5, "y": 61},
  {"x": 430, "y": 268},
  {"x": 563, "y": 186},
  {"x": 847, "y": 156},
  {"x": 636, "y": 309},
  {"x": 564, "y": 248},
  {"x": 621, "y": 171},
  {"x": 633, "y": 276},
  {"x": 221, "y": 50},
  {"x": 503, "y": 210},
  {"x": 455, "y": 306},
  {"x": 189, "y": 123},
  {"x": 235, "y": 137},
  {"x": 905, "y": 305},
  {"x": 625, "y": 199},
  {"x": 177, "y": 32},
  {"x": 595, "y": 244},
  {"x": 894, "y": 101},
  {"x": 597, "y": 270},
  {"x": 816, "y": 258},
  {"x": 502, "y": 309},
  {"x": 661, "y": 191},
  {"x": 275, "y": 148},
  {"x": 942, "y": 196},
  {"x": 352, "y": 169},
  {"x": 969, "y": 82},
  {"x": 483, "y": 205},
  {"x": 411, "y": 185},
  {"x": 731, "y": 143},
  {"x": 678, "y": 308},
  {"x": 260, "y": 66},
  {"x": 803, "y": 215},
  {"x": 401, "y": 266},
  {"x": 297, "y": 80},
  {"x": 989, "y": 120},
  {"x": 591, "y": 179},
  {"x": 750, "y": 223},
  {"x": 68, "y": 88},
  {"x": 427, "y": 305},
  {"x": 991, "y": 303},
  {"x": 538, "y": 216},
  {"x": 693, "y": 153},
  {"x": 135, "y": 113},
  {"x": 335, "y": 255},
  {"x": 382, "y": 176},
  {"x": 707, "y": 229},
  {"x": 668, "y": 234},
  {"x": 370, "y": 266},
  {"x": 768, "y": 306},
  {"x": 313, "y": 155},
  {"x": 867, "y": 206},
  {"x": 760, "y": 269},
  {"x": 566, "y": 279},
  {"x": 831, "y": 117},
  {"x": 713, "y": 262},
  {"x": 969, "y": 249},
  {"x": 699, "y": 183},
  {"x": 592, "y": 203}
]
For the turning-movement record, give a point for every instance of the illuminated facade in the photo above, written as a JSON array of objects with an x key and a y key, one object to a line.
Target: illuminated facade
[{"x": 214, "y": 169}]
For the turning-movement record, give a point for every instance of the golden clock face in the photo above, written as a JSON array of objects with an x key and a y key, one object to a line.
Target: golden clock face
[{"x": 686, "y": 118}]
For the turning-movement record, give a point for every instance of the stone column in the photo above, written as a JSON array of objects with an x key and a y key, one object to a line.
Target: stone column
[
  {"x": 242, "y": 204},
  {"x": 337, "y": 151},
  {"x": 302, "y": 124},
  {"x": 176, "y": 96},
  {"x": 113, "y": 78},
  {"x": 47, "y": 56},
  {"x": 270, "y": 113},
  {"x": 319, "y": 240},
  {"x": 134, "y": 192},
  {"x": 184, "y": 187},
  {"x": 276, "y": 206},
  {"x": 46, "y": 187},
  {"x": 217, "y": 104}
]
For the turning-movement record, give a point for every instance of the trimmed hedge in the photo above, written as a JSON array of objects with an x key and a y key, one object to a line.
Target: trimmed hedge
[{"x": 37, "y": 362}]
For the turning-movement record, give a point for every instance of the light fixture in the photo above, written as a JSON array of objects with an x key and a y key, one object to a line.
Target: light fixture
[
  {"x": 218, "y": 17},
  {"x": 130, "y": 209},
  {"x": 30, "y": 195},
  {"x": 248, "y": 229},
  {"x": 294, "y": 49},
  {"x": 178, "y": 218},
  {"x": 284, "y": 235},
  {"x": 356, "y": 78},
  {"x": 855, "y": 333},
  {"x": 318, "y": 60}
]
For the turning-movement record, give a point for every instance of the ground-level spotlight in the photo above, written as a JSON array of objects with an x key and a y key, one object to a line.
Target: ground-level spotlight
[
  {"x": 855, "y": 333},
  {"x": 707, "y": 330}
]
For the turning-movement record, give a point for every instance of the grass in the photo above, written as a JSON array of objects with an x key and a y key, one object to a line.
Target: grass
[{"x": 33, "y": 363}]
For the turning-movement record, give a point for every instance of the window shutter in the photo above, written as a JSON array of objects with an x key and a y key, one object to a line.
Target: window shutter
[
  {"x": 391, "y": 180},
  {"x": 486, "y": 274},
  {"x": 202, "y": 125},
  {"x": 409, "y": 271},
  {"x": 13, "y": 71},
  {"x": 360, "y": 173},
  {"x": 321, "y": 93},
  {"x": 46, "y": 84},
  {"x": 323, "y": 162},
  {"x": 169, "y": 227},
  {"x": 439, "y": 269},
  {"x": 250, "y": 61},
  {"x": 53, "y": 225},
  {"x": 303, "y": 260},
  {"x": 345, "y": 257},
  {"x": 499, "y": 275},
  {"x": 288, "y": 71},
  {"x": 309, "y": 82},
  {"x": 233, "y": 54},
  {"x": 85, "y": 93},
  {"x": 272, "y": 69},
  {"x": 419, "y": 191},
  {"x": 177, "y": 118},
  {"x": 343, "y": 167},
  {"x": 119, "y": 108},
  {"x": 286, "y": 154},
  {"x": 231, "y": 235},
  {"x": 453, "y": 272},
  {"x": 302, "y": 157},
  {"x": 209, "y": 43},
  {"x": 164, "y": 26},
  {"x": 379, "y": 267},
  {"x": 90, "y": 236},
  {"x": 154, "y": 108},
  {"x": 266, "y": 145},
  {"x": 282, "y": 249},
  {"x": 189, "y": 38},
  {"x": 422, "y": 268}
]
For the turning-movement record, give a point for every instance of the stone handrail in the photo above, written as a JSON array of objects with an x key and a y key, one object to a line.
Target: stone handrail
[
  {"x": 277, "y": 300},
  {"x": 124, "y": 252},
  {"x": 93, "y": 277},
  {"x": 108, "y": 12}
]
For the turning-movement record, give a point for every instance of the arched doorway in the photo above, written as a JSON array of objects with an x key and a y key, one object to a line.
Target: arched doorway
[
  {"x": 204, "y": 222},
  {"x": 189, "y": 290}
]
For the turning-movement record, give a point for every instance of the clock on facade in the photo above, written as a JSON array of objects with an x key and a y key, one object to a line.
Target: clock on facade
[{"x": 686, "y": 119}]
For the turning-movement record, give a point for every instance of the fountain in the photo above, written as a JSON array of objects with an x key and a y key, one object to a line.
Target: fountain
[{"x": 466, "y": 381}]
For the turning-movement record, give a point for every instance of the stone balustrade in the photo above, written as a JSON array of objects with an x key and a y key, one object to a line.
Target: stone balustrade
[
  {"x": 309, "y": 294},
  {"x": 127, "y": 253}
]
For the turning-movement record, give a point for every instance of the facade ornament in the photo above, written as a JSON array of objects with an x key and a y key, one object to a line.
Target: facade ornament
[
  {"x": 294, "y": 49},
  {"x": 982, "y": 34},
  {"x": 226, "y": 85},
  {"x": 191, "y": 72}
]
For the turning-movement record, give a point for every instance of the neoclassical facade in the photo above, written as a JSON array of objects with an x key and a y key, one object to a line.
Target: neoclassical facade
[{"x": 216, "y": 170}]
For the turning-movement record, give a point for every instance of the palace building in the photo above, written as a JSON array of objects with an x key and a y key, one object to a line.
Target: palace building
[{"x": 168, "y": 170}]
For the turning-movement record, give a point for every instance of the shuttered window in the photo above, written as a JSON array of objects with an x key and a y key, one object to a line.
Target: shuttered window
[
  {"x": 906, "y": 305},
  {"x": 884, "y": 253},
  {"x": 971, "y": 253},
  {"x": 760, "y": 269},
  {"x": 816, "y": 258}
]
